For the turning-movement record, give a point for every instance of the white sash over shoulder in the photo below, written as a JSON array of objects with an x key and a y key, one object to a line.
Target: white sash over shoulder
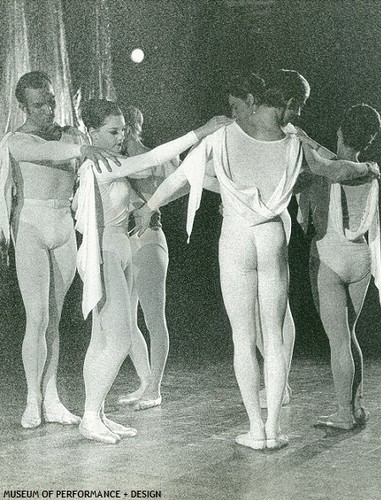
[
  {"x": 89, "y": 257},
  {"x": 244, "y": 201},
  {"x": 6, "y": 187}
]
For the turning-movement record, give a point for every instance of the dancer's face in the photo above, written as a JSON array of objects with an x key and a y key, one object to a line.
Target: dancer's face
[
  {"x": 110, "y": 134},
  {"x": 240, "y": 109},
  {"x": 291, "y": 112},
  {"x": 40, "y": 106}
]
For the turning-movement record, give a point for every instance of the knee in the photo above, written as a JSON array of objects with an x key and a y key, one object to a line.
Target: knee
[{"x": 37, "y": 321}]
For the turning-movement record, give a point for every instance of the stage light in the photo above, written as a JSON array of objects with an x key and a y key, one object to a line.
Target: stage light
[{"x": 137, "y": 56}]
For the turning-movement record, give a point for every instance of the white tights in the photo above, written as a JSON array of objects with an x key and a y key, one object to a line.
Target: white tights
[
  {"x": 45, "y": 251},
  {"x": 339, "y": 305},
  {"x": 111, "y": 332},
  {"x": 150, "y": 264},
  {"x": 253, "y": 266}
]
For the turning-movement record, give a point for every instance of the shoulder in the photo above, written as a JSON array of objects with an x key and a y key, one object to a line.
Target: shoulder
[{"x": 74, "y": 134}]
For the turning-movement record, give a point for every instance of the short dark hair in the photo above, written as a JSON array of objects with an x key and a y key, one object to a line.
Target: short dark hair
[
  {"x": 240, "y": 86},
  {"x": 359, "y": 125},
  {"x": 95, "y": 112},
  {"x": 274, "y": 88},
  {"x": 32, "y": 80},
  {"x": 283, "y": 85}
]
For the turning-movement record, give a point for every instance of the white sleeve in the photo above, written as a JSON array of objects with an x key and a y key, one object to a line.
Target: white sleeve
[{"x": 156, "y": 156}]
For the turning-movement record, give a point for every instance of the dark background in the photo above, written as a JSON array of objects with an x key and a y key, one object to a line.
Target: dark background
[{"x": 191, "y": 49}]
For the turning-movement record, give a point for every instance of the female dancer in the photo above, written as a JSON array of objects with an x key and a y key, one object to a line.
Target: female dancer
[
  {"x": 104, "y": 259},
  {"x": 150, "y": 263},
  {"x": 341, "y": 261},
  {"x": 256, "y": 164}
]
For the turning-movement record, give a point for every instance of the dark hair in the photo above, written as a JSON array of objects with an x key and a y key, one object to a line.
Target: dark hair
[
  {"x": 360, "y": 125},
  {"x": 32, "y": 80},
  {"x": 274, "y": 88},
  {"x": 242, "y": 86},
  {"x": 95, "y": 112},
  {"x": 282, "y": 85}
]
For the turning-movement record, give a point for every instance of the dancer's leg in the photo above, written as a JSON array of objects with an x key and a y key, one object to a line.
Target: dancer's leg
[
  {"x": 357, "y": 293},
  {"x": 289, "y": 342},
  {"x": 272, "y": 296},
  {"x": 109, "y": 345},
  {"x": 237, "y": 257},
  {"x": 138, "y": 352},
  {"x": 33, "y": 273},
  {"x": 151, "y": 263},
  {"x": 62, "y": 271},
  {"x": 331, "y": 295}
]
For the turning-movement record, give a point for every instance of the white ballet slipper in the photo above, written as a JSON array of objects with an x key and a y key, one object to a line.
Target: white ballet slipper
[
  {"x": 95, "y": 430},
  {"x": 146, "y": 404},
  {"x": 277, "y": 443},
  {"x": 118, "y": 429},
  {"x": 58, "y": 413},
  {"x": 337, "y": 421},
  {"x": 250, "y": 441}
]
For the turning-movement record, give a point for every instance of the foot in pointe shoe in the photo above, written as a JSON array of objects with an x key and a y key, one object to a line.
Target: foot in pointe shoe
[
  {"x": 277, "y": 443},
  {"x": 31, "y": 417},
  {"x": 56, "y": 412},
  {"x": 146, "y": 404},
  {"x": 285, "y": 401},
  {"x": 251, "y": 441},
  {"x": 337, "y": 421},
  {"x": 118, "y": 429},
  {"x": 95, "y": 430}
]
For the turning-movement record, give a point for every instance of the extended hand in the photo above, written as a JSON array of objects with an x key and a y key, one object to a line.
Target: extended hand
[
  {"x": 142, "y": 218},
  {"x": 97, "y": 155},
  {"x": 373, "y": 170},
  {"x": 212, "y": 125}
]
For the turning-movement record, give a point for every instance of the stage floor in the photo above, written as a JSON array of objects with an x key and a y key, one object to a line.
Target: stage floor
[{"x": 186, "y": 450}]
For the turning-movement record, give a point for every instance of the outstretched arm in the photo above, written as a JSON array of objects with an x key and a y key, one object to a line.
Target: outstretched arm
[
  {"x": 29, "y": 148},
  {"x": 338, "y": 170},
  {"x": 323, "y": 162},
  {"x": 165, "y": 152}
]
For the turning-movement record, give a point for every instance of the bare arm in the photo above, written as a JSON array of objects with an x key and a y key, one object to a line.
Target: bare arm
[
  {"x": 30, "y": 148},
  {"x": 337, "y": 170}
]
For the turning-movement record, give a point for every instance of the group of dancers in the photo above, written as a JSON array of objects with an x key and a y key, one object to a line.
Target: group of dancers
[{"x": 256, "y": 160}]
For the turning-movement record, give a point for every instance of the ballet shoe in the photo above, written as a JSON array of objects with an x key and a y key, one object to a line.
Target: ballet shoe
[
  {"x": 128, "y": 399},
  {"x": 98, "y": 432},
  {"x": 146, "y": 404},
  {"x": 57, "y": 413},
  {"x": 285, "y": 401},
  {"x": 118, "y": 429},
  {"x": 31, "y": 417},
  {"x": 277, "y": 443},
  {"x": 361, "y": 415},
  {"x": 336, "y": 422},
  {"x": 249, "y": 441}
]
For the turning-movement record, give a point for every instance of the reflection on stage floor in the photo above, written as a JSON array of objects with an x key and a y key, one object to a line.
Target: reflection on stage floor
[{"x": 185, "y": 449}]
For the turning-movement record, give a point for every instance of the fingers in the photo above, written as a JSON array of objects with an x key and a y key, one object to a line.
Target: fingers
[
  {"x": 112, "y": 156},
  {"x": 142, "y": 231}
]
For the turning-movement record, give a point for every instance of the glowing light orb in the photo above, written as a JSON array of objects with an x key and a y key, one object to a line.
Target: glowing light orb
[{"x": 137, "y": 56}]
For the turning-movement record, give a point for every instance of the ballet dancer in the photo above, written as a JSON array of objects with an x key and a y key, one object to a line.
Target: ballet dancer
[
  {"x": 257, "y": 164},
  {"x": 37, "y": 175},
  {"x": 342, "y": 261},
  {"x": 105, "y": 259}
]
